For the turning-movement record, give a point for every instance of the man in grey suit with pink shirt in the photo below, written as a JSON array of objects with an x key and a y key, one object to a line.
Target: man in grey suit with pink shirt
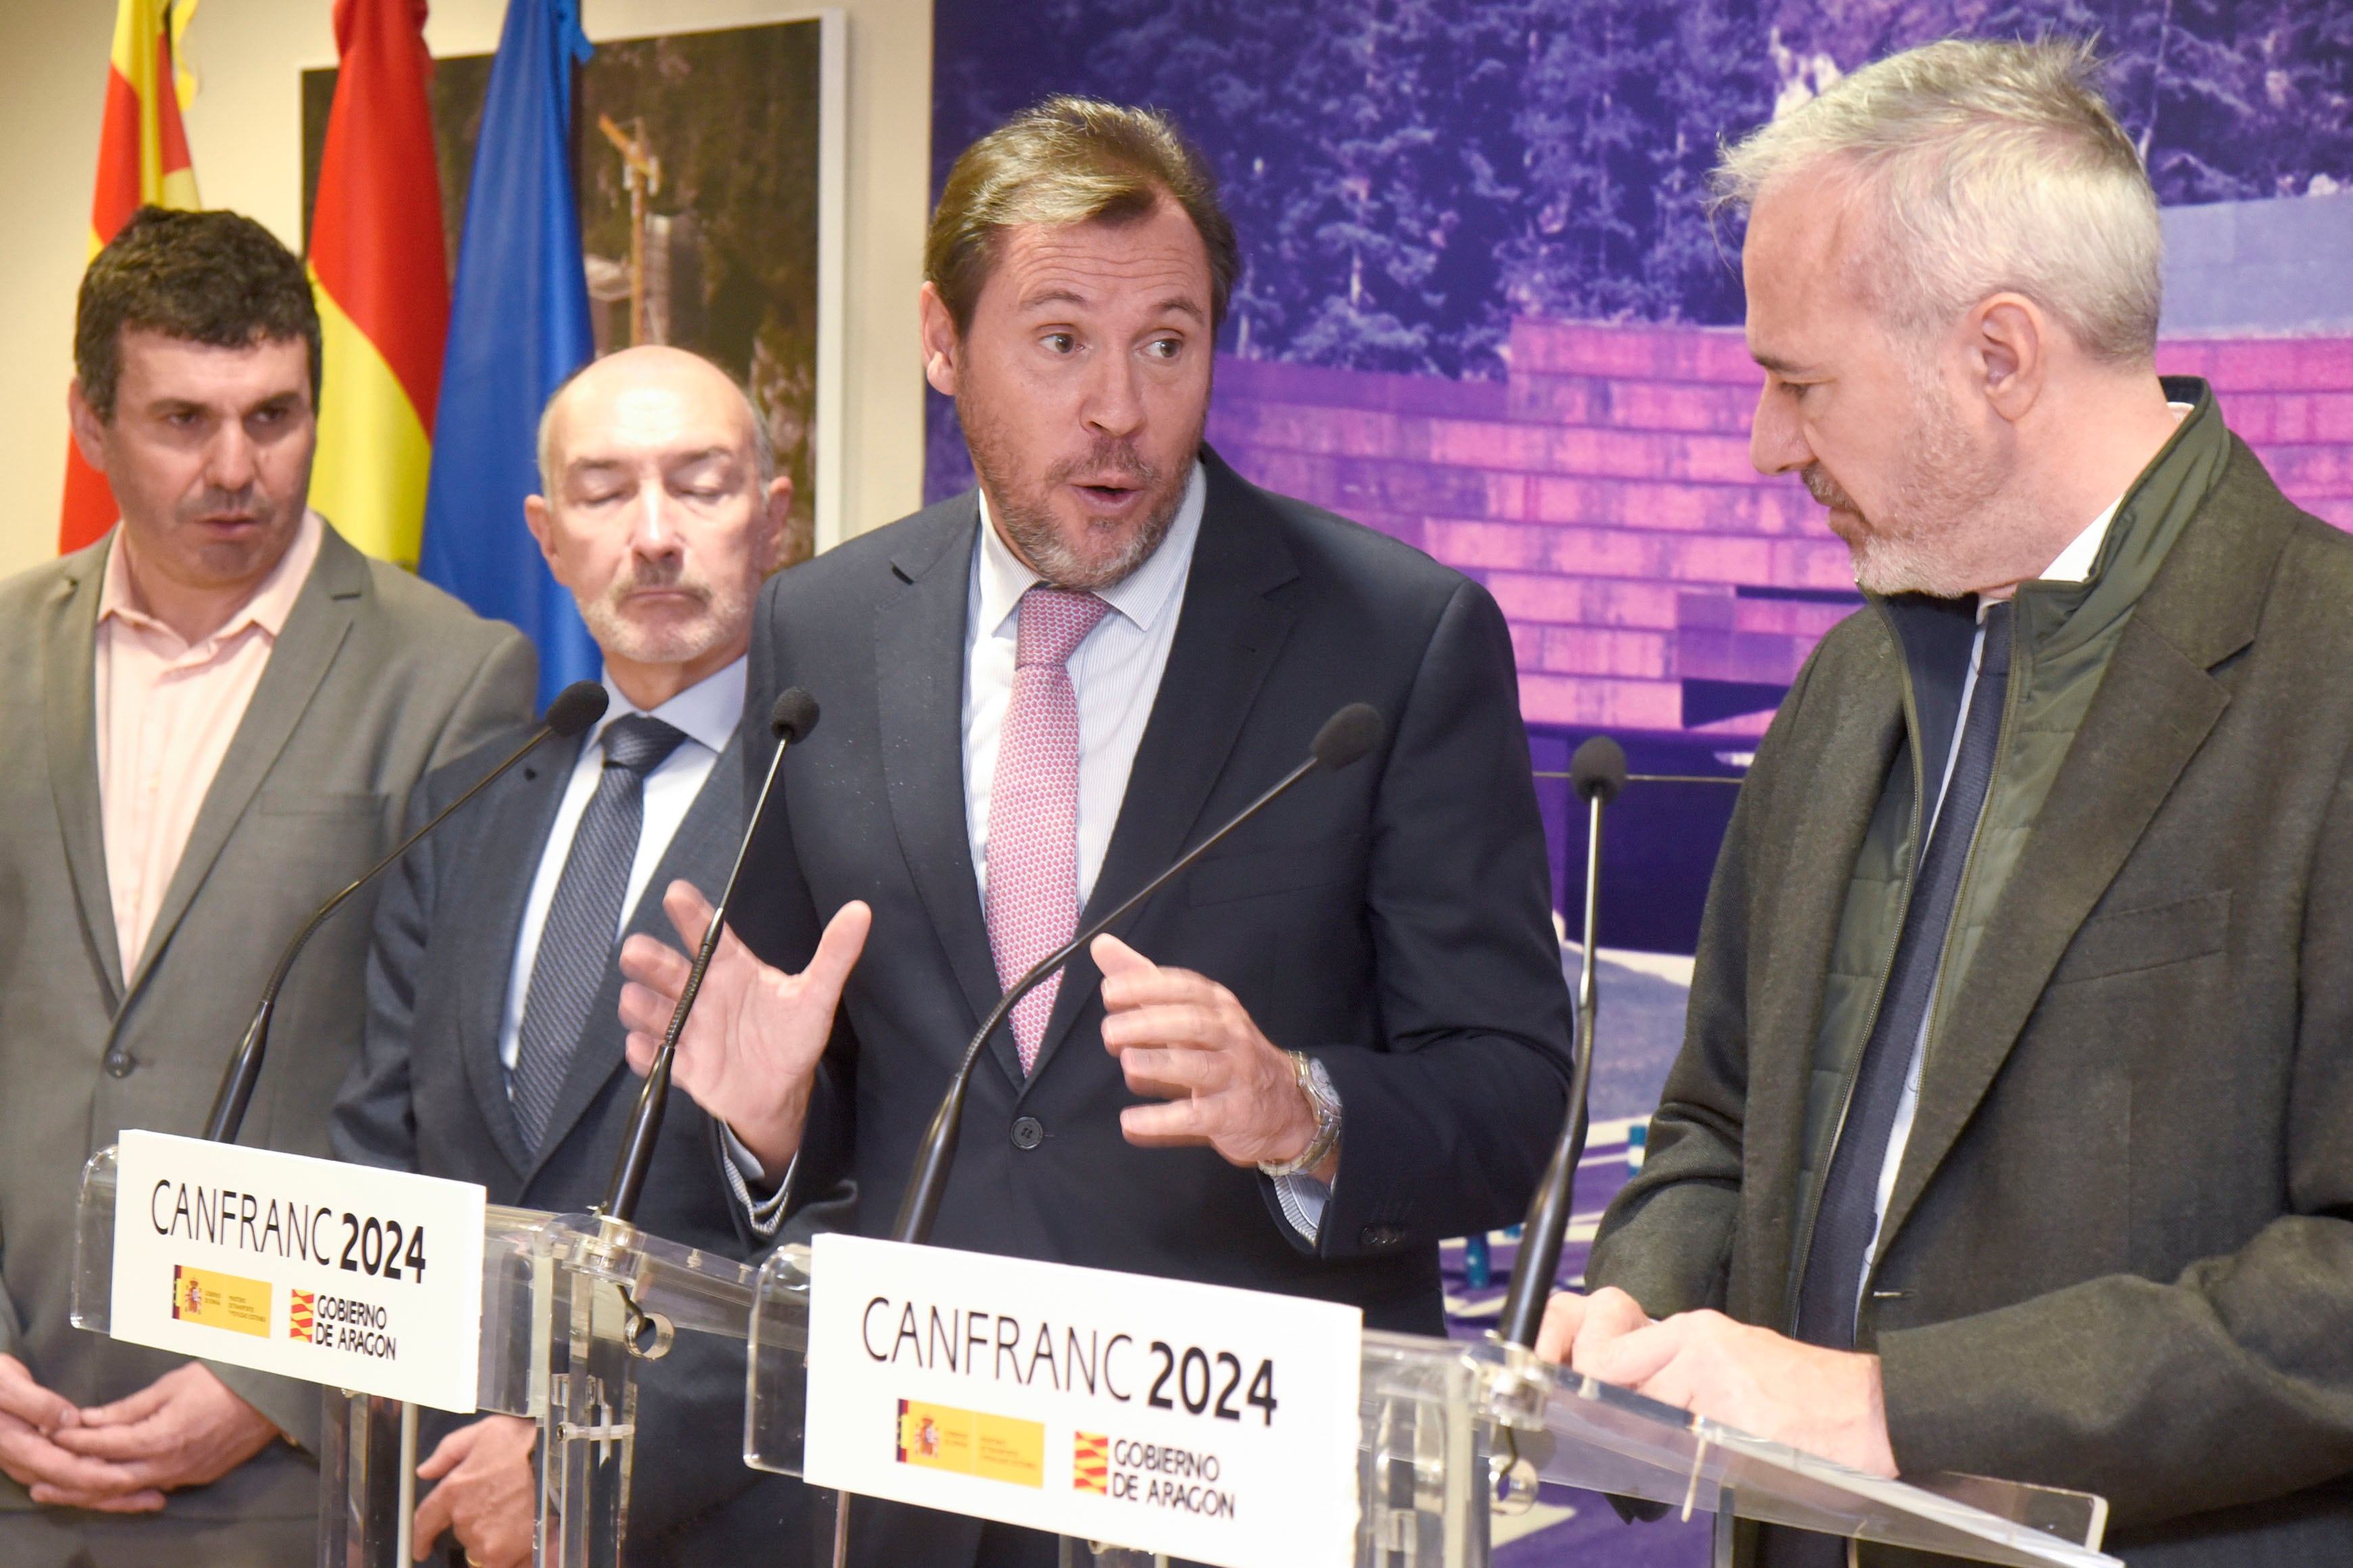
[{"x": 218, "y": 711}]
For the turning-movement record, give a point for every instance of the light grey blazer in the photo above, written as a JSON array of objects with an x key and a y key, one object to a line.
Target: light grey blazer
[{"x": 375, "y": 680}]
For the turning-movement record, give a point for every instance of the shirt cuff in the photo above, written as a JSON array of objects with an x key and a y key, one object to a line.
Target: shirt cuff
[
  {"x": 1303, "y": 1199},
  {"x": 745, "y": 1172}
]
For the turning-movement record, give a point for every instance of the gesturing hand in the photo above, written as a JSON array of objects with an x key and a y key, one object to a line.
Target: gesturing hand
[
  {"x": 489, "y": 1492},
  {"x": 750, "y": 1051},
  {"x": 184, "y": 1429},
  {"x": 1826, "y": 1402},
  {"x": 30, "y": 1418},
  {"x": 1183, "y": 1037}
]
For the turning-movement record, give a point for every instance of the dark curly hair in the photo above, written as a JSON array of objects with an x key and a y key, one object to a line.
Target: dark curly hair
[{"x": 216, "y": 277}]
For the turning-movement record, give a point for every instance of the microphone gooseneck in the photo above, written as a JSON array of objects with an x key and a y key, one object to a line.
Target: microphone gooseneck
[
  {"x": 1598, "y": 772},
  {"x": 790, "y": 719},
  {"x": 1345, "y": 738},
  {"x": 576, "y": 707}
]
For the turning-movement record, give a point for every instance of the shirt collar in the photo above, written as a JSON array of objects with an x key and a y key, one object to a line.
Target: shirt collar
[
  {"x": 1143, "y": 596},
  {"x": 268, "y": 606},
  {"x": 2074, "y": 563},
  {"x": 706, "y": 713}
]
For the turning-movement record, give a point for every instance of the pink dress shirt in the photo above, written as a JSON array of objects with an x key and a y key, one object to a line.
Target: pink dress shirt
[{"x": 166, "y": 711}]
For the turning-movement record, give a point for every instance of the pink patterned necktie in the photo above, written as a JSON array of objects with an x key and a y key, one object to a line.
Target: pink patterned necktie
[{"x": 1033, "y": 805}]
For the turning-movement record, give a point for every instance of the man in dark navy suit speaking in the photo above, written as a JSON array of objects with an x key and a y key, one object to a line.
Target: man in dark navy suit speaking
[{"x": 1337, "y": 1039}]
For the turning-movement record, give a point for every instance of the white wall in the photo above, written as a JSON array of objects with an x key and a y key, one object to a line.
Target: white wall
[{"x": 244, "y": 134}]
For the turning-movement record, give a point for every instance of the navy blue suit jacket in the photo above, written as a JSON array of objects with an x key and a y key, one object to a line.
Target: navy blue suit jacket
[
  {"x": 1393, "y": 920},
  {"x": 429, "y": 1095}
]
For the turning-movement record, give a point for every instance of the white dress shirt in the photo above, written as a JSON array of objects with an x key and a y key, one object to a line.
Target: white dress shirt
[
  {"x": 706, "y": 714},
  {"x": 1115, "y": 675},
  {"x": 2073, "y": 564}
]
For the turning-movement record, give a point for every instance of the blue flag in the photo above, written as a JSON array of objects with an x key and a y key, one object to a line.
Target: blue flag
[{"x": 518, "y": 326}]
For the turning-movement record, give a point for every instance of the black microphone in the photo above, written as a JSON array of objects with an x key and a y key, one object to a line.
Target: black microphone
[
  {"x": 1345, "y": 736},
  {"x": 576, "y": 707},
  {"x": 790, "y": 717},
  {"x": 1597, "y": 772}
]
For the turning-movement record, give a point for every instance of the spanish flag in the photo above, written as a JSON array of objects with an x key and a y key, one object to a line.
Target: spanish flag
[
  {"x": 381, "y": 272},
  {"x": 142, "y": 160}
]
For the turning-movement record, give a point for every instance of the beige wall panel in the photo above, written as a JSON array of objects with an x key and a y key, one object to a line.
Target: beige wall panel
[{"x": 244, "y": 132}]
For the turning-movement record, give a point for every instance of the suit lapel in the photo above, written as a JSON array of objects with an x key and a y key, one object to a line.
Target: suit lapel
[
  {"x": 1227, "y": 635},
  {"x": 919, "y": 637},
  {"x": 71, "y": 724},
  {"x": 2155, "y": 706},
  {"x": 700, "y": 851},
  {"x": 514, "y": 834},
  {"x": 315, "y": 629}
]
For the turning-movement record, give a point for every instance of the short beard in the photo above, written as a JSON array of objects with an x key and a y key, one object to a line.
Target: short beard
[
  {"x": 673, "y": 642},
  {"x": 1939, "y": 512},
  {"x": 1027, "y": 518}
]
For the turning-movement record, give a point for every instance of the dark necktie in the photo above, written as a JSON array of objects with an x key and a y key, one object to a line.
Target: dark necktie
[
  {"x": 1848, "y": 1220},
  {"x": 575, "y": 944}
]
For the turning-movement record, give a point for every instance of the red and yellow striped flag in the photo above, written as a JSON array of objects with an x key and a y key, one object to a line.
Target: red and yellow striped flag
[
  {"x": 381, "y": 272},
  {"x": 382, "y": 277},
  {"x": 142, "y": 159}
]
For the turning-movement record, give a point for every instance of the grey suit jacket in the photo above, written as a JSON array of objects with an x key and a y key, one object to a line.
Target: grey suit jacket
[
  {"x": 2119, "y": 1251},
  {"x": 376, "y": 678}
]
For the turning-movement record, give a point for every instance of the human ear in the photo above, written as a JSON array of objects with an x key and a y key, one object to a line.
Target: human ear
[
  {"x": 776, "y": 518},
  {"x": 88, "y": 429},
  {"x": 2010, "y": 353},
  {"x": 540, "y": 519},
  {"x": 940, "y": 341}
]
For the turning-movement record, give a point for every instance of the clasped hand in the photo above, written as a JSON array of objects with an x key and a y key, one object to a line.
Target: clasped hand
[
  {"x": 184, "y": 1429},
  {"x": 1826, "y": 1402}
]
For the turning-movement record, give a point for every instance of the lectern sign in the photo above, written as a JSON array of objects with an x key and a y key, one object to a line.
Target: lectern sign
[
  {"x": 367, "y": 1279},
  {"x": 1201, "y": 1422}
]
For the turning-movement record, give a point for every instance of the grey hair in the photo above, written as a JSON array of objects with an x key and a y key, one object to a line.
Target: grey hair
[
  {"x": 763, "y": 444},
  {"x": 1986, "y": 167}
]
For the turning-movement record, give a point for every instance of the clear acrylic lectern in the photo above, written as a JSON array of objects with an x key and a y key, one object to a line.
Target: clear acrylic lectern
[
  {"x": 571, "y": 1305},
  {"x": 1451, "y": 1432}
]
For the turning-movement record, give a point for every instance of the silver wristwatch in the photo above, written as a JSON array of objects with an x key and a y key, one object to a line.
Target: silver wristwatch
[{"x": 1317, "y": 1085}]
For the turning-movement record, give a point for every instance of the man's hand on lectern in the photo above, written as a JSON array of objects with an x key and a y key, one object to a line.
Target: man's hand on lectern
[
  {"x": 486, "y": 1491},
  {"x": 1576, "y": 1325},
  {"x": 1825, "y": 1402},
  {"x": 750, "y": 1052}
]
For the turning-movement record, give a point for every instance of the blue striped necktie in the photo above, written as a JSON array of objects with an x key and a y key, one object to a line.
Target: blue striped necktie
[{"x": 583, "y": 928}]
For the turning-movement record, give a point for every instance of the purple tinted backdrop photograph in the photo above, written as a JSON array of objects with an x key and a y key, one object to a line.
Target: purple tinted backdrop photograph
[{"x": 1486, "y": 309}]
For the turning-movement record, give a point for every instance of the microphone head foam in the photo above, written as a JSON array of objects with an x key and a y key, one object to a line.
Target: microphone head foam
[
  {"x": 1599, "y": 769},
  {"x": 1349, "y": 735},
  {"x": 793, "y": 715},
  {"x": 576, "y": 707}
]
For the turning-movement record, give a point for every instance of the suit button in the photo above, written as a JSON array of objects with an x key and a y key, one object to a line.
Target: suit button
[
  {"x": 1380, "y": 1236},
  {"x": 118, "y": 1064},
  {"x": 1028, "y": 1132}
]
